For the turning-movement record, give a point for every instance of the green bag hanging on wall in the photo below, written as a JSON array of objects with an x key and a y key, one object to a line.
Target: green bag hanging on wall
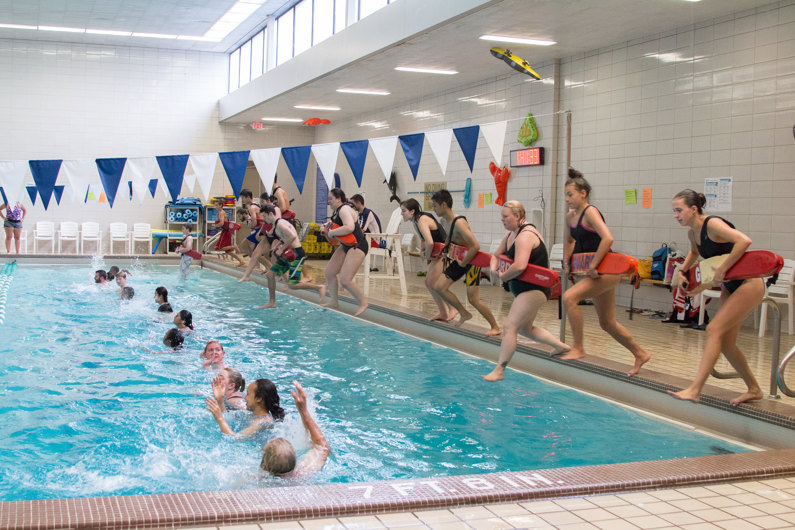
[{"x": 528, "y": 132}]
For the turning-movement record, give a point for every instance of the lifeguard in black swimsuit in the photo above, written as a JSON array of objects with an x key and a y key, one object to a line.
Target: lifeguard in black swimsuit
[
  {"x": 714, "y": 236},
  {"x": 347, "y": 258},
  {"x": 524, "y": 245},
  {"x": 586, "y": 231},
  {"x": 429, "y": 231}
]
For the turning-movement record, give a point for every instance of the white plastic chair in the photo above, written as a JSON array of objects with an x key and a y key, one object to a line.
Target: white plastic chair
[
  {"x": 783, "y": 293},
  {"x": 409, "y": 249},
  {"x": 392, "y": 254},
  {"x": 702, "y": 302},
  {"x": 44, "y": 231},
  {"x": 89, "y": 231},
  {"x": 119, "y": 233},
  {"x": 556, "y": 257},
  {"x": 141, "y": 232},
  {"x": 69, "y": 232}
]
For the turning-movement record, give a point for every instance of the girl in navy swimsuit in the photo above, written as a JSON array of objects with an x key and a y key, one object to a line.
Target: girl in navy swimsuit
[
  {"x": 713, "y": 236},
  {"x": 346, "y": 260},
  {"x": 523, "y": 244},
  {"x": 586, "y": 231},
  {"x": 430, "y": 231}
]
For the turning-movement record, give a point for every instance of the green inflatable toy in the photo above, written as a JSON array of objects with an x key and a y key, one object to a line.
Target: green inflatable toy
[{"x": 528, "y": 132}]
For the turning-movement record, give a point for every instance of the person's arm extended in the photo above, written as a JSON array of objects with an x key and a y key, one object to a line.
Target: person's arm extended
[
  {"x": 315, "y": 458},
  {"x": 212, "y": 406},
  {"x": 469, "y": 240},
  {"x": 218, "y": 392}
]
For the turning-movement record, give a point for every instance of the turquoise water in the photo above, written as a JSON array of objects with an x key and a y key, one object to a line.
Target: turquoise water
[{"x": 85, "y": 411}]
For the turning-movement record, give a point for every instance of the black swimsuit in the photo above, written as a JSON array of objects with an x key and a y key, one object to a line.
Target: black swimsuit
[
  {"x": 438, "y": 234},
  {"x": 361, "y": 240},
  {"x": 538, "y": 256},
  {"x": 585, "y": 239},
  {"x": 709, "y": 248}
]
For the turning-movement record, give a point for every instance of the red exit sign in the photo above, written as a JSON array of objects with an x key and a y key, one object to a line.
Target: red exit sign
[{"x": 532, "y": 156}]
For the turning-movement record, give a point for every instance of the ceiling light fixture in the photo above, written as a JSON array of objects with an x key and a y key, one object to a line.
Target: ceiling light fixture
[
  {"x": 315, "y": 107},
  {"x": 290, "y": 120},
  {"x": 363, "y": 91},
  {"x": 154, "y": 35},
  {"x": 424, "y": 70},
  {"x": 17, "y": 26},
  {"x": 59, "y": 28},
  {"x": 109, "y": 32},
  {"x": 517, "y": 40}
]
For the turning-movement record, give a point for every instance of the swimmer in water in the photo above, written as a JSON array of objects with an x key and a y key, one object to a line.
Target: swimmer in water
[
  {"x": 161, "y": 299},
  {"x": 184, "y": 321},
  {"x": 173, "y": 339},
  {"x": 262, "y": 399},
  {"x": 213, "y": 355},
  {"x": 227, "y": 389}
]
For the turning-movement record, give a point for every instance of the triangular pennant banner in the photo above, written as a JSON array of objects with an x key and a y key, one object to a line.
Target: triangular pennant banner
[
  {"x": 190, "y": 181},
  {"x": 384, "y": 151},
  {"x": 79, "y": 174},
  {"x": 153, "y": 187},
  {"x": 90, "y": 193},
  {"x": 440, "y": 145},
  {"x": 412, "y": 148},
  {"x": 58, "y": 192},
  {"x": 468, "y": 140},
  {"x": 3, "y": 194},
  {"x": 235, "y": 163},
  {"x": 204, "y": 167},
  {"x": 297, "y": 159},
  {"x": 32, "y": 194},
  {"x": 130, "y": 186},
  {"x": 110, "y": 170},
  {"x": 12, "y": 178},
  {"x": 326, "y": 158},
  {"x": 45, "y": 172},
  {"x": 102, "y": 197},
  {"x": 266, "y": 161},
  {"x": 356, "y": 154},
  {"x": 494, "y": 133},
  {"x": 139, "y": 171},
  {"x": 173, "y": 169}
]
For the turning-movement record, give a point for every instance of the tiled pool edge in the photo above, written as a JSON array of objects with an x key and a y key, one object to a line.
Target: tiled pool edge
[{"x": 335, "y": 500}]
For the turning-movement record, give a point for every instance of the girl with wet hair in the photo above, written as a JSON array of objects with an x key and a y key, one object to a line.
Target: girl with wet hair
[
  {"x": 161, "y": 298},
  {"x": 227, "y": 387},
  {"x": 587, "y": 232},
  {"x": 430, "y": 231},
  {"x": 714, "y": 236},
  {"x": 173, "y": 340},
  {"x": 184, "y": 321},
  {"x": 262, "y": 399}
]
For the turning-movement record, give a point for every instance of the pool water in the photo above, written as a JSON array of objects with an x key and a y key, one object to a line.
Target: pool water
[{"x": 86, "y": 411}]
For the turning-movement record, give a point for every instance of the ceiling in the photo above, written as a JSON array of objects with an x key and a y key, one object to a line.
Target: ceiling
[{"x": 577, "y": 26}]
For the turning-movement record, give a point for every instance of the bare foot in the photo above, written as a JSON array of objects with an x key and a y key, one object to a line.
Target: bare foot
[
  {"x": 558, "y": 351},
  {"x": 463, "y": 317},
  {"x": 451, "y": 315},
  {"x": 440, "y": 317},
  {"x": 331, "y": 305},
  {"x": 498, "y": 374},
  {"x": 244, "y": 279},
  {"x": 362, "y": 309},
  {"x": 494, "y": 332},
  {"x": 269, "y": 305},
  {"x": 321, "y": 293},
  {"x": 685, "y": 395},
  {"x": 640, "y": 360},
  {"x": 751, "y": 395},
  {"x": 574, "y": 353}
]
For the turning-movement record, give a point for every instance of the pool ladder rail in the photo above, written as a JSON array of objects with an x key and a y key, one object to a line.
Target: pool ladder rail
[{"x": 6, "y": 274}]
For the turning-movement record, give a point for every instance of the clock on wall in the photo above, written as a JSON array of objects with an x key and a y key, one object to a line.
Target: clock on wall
[{"x": 532, "y": 156}]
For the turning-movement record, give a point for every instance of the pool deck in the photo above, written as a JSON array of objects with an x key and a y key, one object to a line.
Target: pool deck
[{"x": 747, "y": 490}]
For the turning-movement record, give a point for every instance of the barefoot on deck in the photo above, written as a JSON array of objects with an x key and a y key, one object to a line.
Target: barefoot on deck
[
  {"x": 751, "y": 395},
  {"x": 321, "y": 293},
  {"x": 573, "y": 354},
  {"x": 559, "y": 351},
  {"x": 494, "y": 332},
  {"x": 244, "y": 279},
  {"x": 685, "y": 395},
  {"x": 463, "y": 317},
  {"x": 362, "y": 309},
  {"x": 439, "y": 317},
  {"x": 639, "y": 361},
  {"x": 451, "y": 315},
  {"x": 268, "y": 305},
  {"x": 498, "y": 374},
  {"x": 331, "y": 305}
]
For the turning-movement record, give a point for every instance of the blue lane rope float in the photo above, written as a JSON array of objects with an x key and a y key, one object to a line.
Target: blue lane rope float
[{"x": 5, "y": 280}]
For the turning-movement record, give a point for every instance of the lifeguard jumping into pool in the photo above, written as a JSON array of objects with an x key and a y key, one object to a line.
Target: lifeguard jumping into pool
[
  {"x": 714, "y": 236},
  {"x": 225, "y": 242},
  {"x": 525, "y": 246},
  {"x": 586, "y": 231}
]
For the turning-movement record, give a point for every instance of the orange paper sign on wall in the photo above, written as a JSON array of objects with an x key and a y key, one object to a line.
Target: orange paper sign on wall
[
  {"x": 480, "y": 200},
  {"x": 647, "y": 197}
]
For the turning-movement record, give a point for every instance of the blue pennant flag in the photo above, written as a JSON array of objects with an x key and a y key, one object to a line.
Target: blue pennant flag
[
  {"x": 129, "y": 184},
  {"x": 173, "y": 169},
  {"x": 44, "y": 174},
  {"x": 32, "y": 194},
  {"x": 468, "y": 140},
  {"x": 235, "y": 163},
  {"x": 356, "y": 154},
  {"x": 3, "y": 193},
  {"x": 110, "y": 170},
  {"x": 297, "y": 160},
  {"x": 412, "y": 148},
  {"x": 58, "y": 192},
  {"x": 153, "y": 187}
]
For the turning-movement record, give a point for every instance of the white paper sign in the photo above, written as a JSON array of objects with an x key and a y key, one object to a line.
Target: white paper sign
[{"x": 719, "y": 194}]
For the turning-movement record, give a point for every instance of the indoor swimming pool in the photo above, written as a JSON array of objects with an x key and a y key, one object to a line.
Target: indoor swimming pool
[{"x": 87, "y": 411}]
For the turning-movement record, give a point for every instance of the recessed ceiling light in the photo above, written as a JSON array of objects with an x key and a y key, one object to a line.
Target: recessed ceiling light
[
  {"x": 17, "y": 26},
  {"x": 291, "y": 120},
  {"x": 59, "y": 28},
  {"x": 315, "y": 107},
  {"x": 363, "y": 91},
  {"x": 517, "y": 40},
  {"x": 154, "y": 35},
  {"x": 425, "y": 70},
  {"x": 109, "y": 32}
]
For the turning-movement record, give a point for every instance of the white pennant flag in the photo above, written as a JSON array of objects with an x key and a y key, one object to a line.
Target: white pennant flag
[
  {"x": 326, "y": 158},
  {"x": 79, "y": 174},
  {"x": 384, "y": 151},
  {"x": 494, "y": 133},
  {"x": 440, "y": 145},
  {"x": 12, "y": 178},
  {"x": 161, "y": 183},
  {"x": 189, "y": 179},
  {"x": 204, "y": 168},
  {"x": 266, "y": 161},
  {"x": 139, "y": 171}
]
